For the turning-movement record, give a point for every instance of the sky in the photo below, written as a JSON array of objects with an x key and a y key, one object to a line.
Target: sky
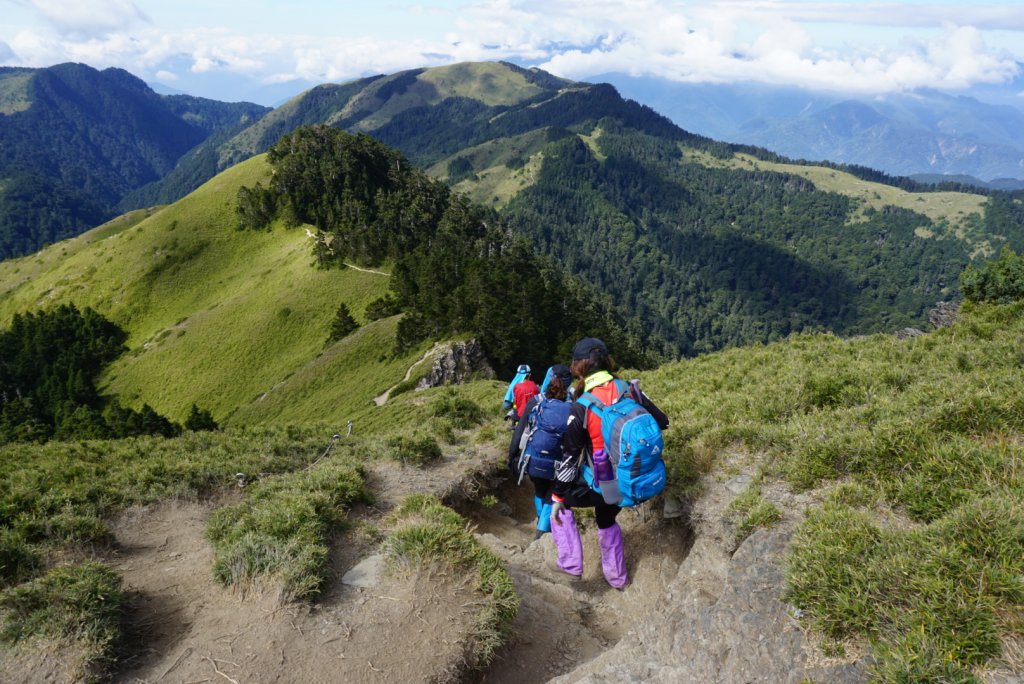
[{"x": 264, "y": 50}]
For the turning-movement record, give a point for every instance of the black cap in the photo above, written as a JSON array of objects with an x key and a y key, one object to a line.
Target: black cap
[
  {"x": 561, "y": 372},
  {"x": 588, "y": 347}
]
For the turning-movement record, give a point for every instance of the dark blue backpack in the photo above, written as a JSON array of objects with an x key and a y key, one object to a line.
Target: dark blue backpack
[
  {"x": 633, "y": 443},
  {"x": 542, "y": 439}
]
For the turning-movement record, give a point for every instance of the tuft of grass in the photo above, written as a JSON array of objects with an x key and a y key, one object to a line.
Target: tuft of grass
[
  {"x": 463, "y": 413},
  {"x": 19, "y": 560},
  {"x": 419, "y": 450},
  {"x": 750, "y": 512},
  {"x": 281, "y": 529},
  {"x": 81, "y": 603},
  {"x": 427, "y": 531},
  {"x": 930, "y": 597},
  {"x": 853, "y": 494}
]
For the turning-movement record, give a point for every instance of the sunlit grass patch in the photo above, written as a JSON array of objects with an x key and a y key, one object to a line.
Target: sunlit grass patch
[
  {"x": 80, "y": 603},
  {"x": 280, "y": 531},
  {"x": 750, "y": 511},
  {"x": 427, "y": 531},
  {"x": 930, "y": 595}
]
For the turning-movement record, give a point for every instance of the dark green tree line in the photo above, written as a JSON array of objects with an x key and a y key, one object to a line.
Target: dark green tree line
[
  {"x": 49, "y": 361},
  {"x": 457, "y": 268}
]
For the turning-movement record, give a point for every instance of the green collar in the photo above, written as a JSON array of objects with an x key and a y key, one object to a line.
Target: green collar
[{"x": 597, "y": 379}]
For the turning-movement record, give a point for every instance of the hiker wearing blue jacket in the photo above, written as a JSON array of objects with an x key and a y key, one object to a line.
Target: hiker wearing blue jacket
[
  {"x": 509, "y": 404},
  {"x": 537, "y": 442},
  {"x": 583, "y": 443}
]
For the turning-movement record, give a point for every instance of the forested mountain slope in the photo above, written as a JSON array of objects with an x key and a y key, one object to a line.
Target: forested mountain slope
[
  {"x": 232, "y": 293},
  {"x": 712, "y": 244},
  {"x": 74, "y": 141}
]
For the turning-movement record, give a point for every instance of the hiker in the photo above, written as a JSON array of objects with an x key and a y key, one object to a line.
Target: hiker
[
  {"x": 522, "y": 373},
  {"x": 537, "y": 442},
  {"x": 552, "y": 372},
  {"x": 522, "y": 393},
  {"x": 594, "y": 368}
]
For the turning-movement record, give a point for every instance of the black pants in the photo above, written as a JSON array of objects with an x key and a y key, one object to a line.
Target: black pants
[
  {"x": 585, "y": 497},
  {"x": 541, "y": 488}
]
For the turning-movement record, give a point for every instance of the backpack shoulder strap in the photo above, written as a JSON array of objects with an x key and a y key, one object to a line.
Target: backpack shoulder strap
[
  {"x": 621, "y": 389},
  {"x": 591, "y": 402}
]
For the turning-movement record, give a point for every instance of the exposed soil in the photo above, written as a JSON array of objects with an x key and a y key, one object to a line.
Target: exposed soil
[
  {"x": 564, "y": 622},
  {"x": 414, "y": 624}
]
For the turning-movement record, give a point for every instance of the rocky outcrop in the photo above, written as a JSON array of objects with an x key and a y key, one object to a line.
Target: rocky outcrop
[
  {"x": 457, "y": 364},
  {"x": 907, "y": 333},
  {"x": 723, "y": 618},
  {"x": 944, "y": 314}
]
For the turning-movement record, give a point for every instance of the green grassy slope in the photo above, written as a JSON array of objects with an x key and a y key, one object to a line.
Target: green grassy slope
[
  {"x": 215, "y": 316},
  {"x": 14, "y": 95},
  {"x": 955, "y": 210},
  {"x": 911, "y": 450}
]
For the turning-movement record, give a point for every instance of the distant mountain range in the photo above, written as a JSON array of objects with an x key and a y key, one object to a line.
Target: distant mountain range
[
  {"x": 706, "y": 244},
  {"x": 75, "y": 141},
  {"x": 921, "y": 132}
]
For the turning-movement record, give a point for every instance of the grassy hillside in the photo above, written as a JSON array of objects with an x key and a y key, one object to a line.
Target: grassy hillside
[
  {"x": 215, "y": 315},
  {"x": 14, "y": 95},
  {"x": 957, "y": 212},
  {"x": 910, "y": 451},
  {"x": 711, "y": 245}
]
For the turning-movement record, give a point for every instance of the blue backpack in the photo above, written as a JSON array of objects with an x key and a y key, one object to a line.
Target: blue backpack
[
  {"x": 542, "y": 439},
  {"x": 633, "y": 443}
]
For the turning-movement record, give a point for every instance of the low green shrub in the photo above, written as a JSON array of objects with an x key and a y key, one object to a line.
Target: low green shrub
[
  {"x": 462, "y": 412},
  {"x": 428, "y": 531},
  {"x": 80, "y": 603},
  {"x": 418, "y": 450},
  {"x": 281, "y": 529}
]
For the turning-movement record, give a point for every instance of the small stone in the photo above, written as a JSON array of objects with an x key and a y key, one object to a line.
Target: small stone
[
  {"x": 738, "y": 484},
  {"x": 674, "y": 508},
  {"x": 366, "y": 573}
]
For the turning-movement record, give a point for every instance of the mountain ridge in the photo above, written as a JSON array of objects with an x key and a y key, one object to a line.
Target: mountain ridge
[{"x": 87, "y": 138}]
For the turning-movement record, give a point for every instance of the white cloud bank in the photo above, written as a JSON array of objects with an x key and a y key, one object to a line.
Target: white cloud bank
[
  {"x": 89, "y": 17},
  {"x": 944, "y": 46}
]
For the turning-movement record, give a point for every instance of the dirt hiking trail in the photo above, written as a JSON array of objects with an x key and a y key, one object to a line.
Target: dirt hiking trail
[
  {"x": 564, "y": 622},
  {"x": 405, "y": 624}
]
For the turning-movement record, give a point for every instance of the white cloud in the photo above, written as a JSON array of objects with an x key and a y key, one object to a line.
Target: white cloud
[
  {"x": 95, "y": 17},
  {"x": 759, "y": 40},
  {"x": 166, "y": 76},
  {"x": 7, "y": 55}
]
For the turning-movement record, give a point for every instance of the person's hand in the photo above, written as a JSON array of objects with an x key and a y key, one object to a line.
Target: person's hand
[{"x": 556, "y": 508}]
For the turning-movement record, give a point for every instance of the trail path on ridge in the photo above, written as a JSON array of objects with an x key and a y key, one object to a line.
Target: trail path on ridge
[{"x": 383, "y": 398}]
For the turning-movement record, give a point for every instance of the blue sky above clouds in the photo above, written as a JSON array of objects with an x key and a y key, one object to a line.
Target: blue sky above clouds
[{"x": 223, "y": 49}]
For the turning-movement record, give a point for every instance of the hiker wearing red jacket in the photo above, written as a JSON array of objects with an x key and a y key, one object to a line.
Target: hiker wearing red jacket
[{"x": 522, "y": 393}]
